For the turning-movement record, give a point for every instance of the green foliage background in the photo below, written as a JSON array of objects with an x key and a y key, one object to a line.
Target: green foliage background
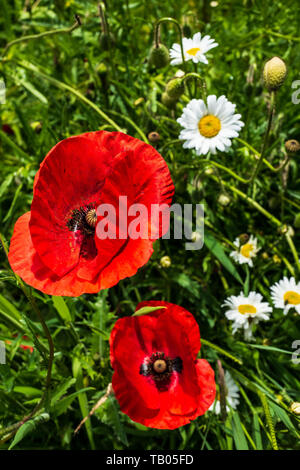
[{"x": 120, "y": 83}]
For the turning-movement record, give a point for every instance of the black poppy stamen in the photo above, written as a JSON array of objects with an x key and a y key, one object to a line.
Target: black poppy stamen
[{"x": 160, "y": 368}]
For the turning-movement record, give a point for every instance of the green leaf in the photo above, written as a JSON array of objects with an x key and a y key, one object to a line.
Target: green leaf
[
  {"x": 145, "y": 310},
  {"x": 28, "y": 428},
  {"x": 61, "y": 389},
  {"x": 62, "y": 308},
  {"x": 217, "y": 250},
  {"x": 238, "y": 433}
]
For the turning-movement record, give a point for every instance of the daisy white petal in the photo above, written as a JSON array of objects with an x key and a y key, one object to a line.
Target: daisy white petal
[
  {"x": 245, "y": 251},
  {"x": 286, "y": 295},
  {"x": 193, "y": 49}
]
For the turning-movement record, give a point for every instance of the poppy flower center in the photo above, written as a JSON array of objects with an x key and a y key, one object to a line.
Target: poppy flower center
[
  {"x": 209, "y": 126},
  {"x": 247, "y": 309},
  {"x": 83, "y": 221},
  {"x": 246, "y": 250},
  {"x": 91, "y": 218},
  {"x": 160, "y": 368},
  {"x": 291, "y": 297},
  {"x": 193, "y": 51}
]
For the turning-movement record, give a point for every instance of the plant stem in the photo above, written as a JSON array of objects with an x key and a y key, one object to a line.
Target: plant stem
[{"x": 42, "y": 35}]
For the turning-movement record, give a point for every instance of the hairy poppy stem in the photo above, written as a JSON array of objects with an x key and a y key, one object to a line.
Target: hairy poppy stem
[
  {"x": 42, "y": 35},
  {"x": 109, "y": 391}
]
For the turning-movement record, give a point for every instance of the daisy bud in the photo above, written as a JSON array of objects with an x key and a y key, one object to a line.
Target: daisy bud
[
  {"x": 179, "y": 74},
  {"x": 292, "y": 146},
  {"x": 36, "y": 126},
  {"x": 175, "y": 88},
  {"x": 274, "y": 73},
  {"x": 168, "y": 101},
  {"x": 295, "y": 408},
  {"x": 195, "y": 237},
  {"x": 154, "y": 137},
  {"x": 165, "y": 262},
  {"x": 159, "y": 56},
  {"x": 276, "y": 259},
  {"x": 107, "y": 41},
  {"x": 286, "y": 230},
  {"x": 224, "y": 199},
  {"x": 265, "y": 255},
  {"x": 297, "y": 221},
  {"x": 209, "y": 171}
]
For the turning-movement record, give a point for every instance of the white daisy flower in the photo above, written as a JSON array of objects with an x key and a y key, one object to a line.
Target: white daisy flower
[
  {"x": 193, "y": 48},
  {"x": 209, "y": 127},
  {"x": 232, "y": 396},
  {"x": 286, "y": 294},
  {"x": 246, "y": 311},
  {"x": 245, "y": 251}
]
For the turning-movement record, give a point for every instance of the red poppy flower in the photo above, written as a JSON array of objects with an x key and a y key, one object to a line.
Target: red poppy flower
[
  {"x": 157, "y": 378},
  {"x": 54, "y": 247}
]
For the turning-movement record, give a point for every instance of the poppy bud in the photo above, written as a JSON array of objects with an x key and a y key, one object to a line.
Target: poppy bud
[
  {"x": 274, "y": 73},
  {"x": 159, "y": 56},
  {"x": 297, "y": 221},
  {"x": 107, "y": 41},
  {"x": 168, "y": 101},
  {"x": 223, "y": 199},
  {"x": 292, "y": 146},
  {"x": 165, "y": 262},
  {"x": 154, "y": 137},
  {"x": 175, "y": 88},
  {"x": 295, "y": 408}
]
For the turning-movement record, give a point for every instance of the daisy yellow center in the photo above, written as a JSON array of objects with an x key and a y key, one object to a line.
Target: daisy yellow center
[
  {"x": 246, "y": 308},
  {"x": 209, "y": 126},
  {"x": 291, "y": 297},
  {"x": 246, "y": 250},
  {"x": 193, "y": 51}
]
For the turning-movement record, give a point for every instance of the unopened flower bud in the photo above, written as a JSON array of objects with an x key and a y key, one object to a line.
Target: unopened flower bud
[
  {"x": 223, "y": 199},
  {"x": 286, "y": 230},
  {"x": 159, "y": 56},
  {"x": 297, "y": 220},
  {"x": 154, "y": 137},
  {"x": 209, "y": 171},
  {"x": 165, "y": 262},
  {"x": 175, "y": 88},
  {"x": 168, "y": 101},
  {"x": 195, "y": 237},
  {"x": 107, "y": 41},
  {"x": 292, "y": 146},
  {"x": 244, "y": 237},
  {"x": 274, "y": 73},
  {"x": 295, "y": 408},
  {"x": 36, "y": 126},
  {"x": 179, "y": 74},
  {"x": 276, "y": 259}
]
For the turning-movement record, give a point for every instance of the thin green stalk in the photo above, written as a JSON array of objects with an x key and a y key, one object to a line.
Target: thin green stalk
[
  {"x": 221, "y": 351},
  {"x": 269, "y": 420},
  {"x": 42, "y": 35},
  {"x": 63, "y": 86},
  {"x": 266, "y": 137}
]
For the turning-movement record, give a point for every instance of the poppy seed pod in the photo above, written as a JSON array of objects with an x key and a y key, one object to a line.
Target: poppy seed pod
[
  {"x": 159, "y": 56},
  {"x": 175, "y": 88},
  {"x": 274, "y": 73},
  {"x": 292, "y": 146},
  {"x": 153, "y": 137}
]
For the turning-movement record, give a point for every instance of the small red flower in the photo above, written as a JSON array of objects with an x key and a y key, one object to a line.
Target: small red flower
[
  {"x": 54, "y": 247},
  {"x": 157, "y": 378},
  {"x": 23, "y": 346}
]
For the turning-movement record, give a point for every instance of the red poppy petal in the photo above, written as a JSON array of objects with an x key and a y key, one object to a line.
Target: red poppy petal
[
  {"x": 72, "y": 177},
  {"x": 207, "y": 385},
  {"x": 27, "y": 264},
  {"x": 184, "y": 321}
]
